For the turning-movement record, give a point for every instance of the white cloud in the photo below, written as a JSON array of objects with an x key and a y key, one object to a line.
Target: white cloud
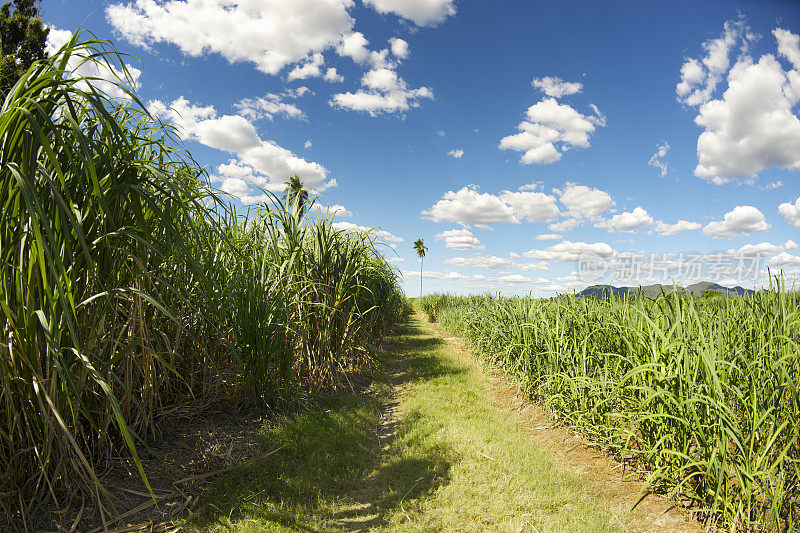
[
  {"x": 784, "y": 259},
  {"x": 662, "y": 228},
  {"x": 450, "y": 276},
  {"x": 584, "y": 202},
  {"x": 751, "y": 126},
  {"x": 571, "y": 251},
  {"x": 420, "y": 12},
  {"x": 744, "y": 219},
  {"x": 104, "y": 76},
  {"x": 297, "y": 92},
  {"x": 334, "y": 210},
  {"x": 659, "y": 160},
  {"x": 259, "y": 163},
  {"x": 556, "y": 87},
  {"x": 460, "y": 239},
  {"x": 481, "y": 261},
  {"x": 791, "y": 212},
  {"x": 395, "y": 260},
  {"x": 268, "y": 107},
  {"x": 627, "y": 221},
  {"x": 753, "y": 250},
  {"x": 513, "y": 278},
  {"x": 790, "y": 245},
  {"x": 307, "y": 145},
  {"x": 457, "y": 276},
  {"x": 551, "y": 128},
  {"x": 382, "y": 79},
  {"x": 385, "y": 91},
  {"x": 378, "y": 233},
  {"x": 535, "y": 206},
  {"x": 468, "y": 206},
  {"x": 565, "y": 225},
  {"x": 399, "y": 47},
  {"x": 699, "y": 78},
  {"x": 354, "y": 46},
  {"x": 311, "y": 68},
  {"x": 269, "y": 33},
  {"x": 458, "y": 154},
  {"x": 788, "y": 46},
  {"x": 777, "y": 184},
  {"x": 548, "y": 237},
  {"x": 331, "y": 75}
]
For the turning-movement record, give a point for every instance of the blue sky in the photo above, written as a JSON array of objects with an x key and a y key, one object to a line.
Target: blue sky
[{"x": 535, "y": 146}]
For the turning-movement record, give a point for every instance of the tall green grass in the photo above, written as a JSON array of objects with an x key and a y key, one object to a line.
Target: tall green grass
[
  {"x": 128, "y": 287},
  {"x": 701, "y": 394}
]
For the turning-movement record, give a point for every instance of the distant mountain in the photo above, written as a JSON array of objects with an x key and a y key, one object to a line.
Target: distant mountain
[
  {"x": 698, "y": 289},
  {"x": 654, "y": 291}
]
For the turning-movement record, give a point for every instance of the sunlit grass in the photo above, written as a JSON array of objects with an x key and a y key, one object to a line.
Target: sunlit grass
[{"x": 458, "y": 462}]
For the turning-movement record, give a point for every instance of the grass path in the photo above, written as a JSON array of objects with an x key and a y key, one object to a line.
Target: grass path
[{"x": 422, "y": 445}]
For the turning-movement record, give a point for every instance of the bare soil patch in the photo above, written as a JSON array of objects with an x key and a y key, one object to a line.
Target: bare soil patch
[{"x": 194, "y": 446}]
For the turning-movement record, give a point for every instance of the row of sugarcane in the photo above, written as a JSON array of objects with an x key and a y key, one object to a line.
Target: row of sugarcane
[
  {"x": 700, "y": 395},
  {"x": 128, "y": 287}
]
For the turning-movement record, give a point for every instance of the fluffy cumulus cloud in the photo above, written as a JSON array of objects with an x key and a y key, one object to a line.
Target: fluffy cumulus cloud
[
  {"x": 450, "y": 276},
  {"x": 311, "y": 68},
  {"x": 399, "y": 47},
  {"x": 259, "y": 163},
  {"x": 381, "y": 96},
  {"x": 581, "y": 201},
  {"x": 571, "y": 251},
  {"x": 383, "y": 90},
  {"x": 665, "y": 229},
  {"x": 333, "y": 210},
  {"x": 699, "y": 78},
  {"x": 354, "y": 46},
  {"x": 751, "y": 126},
  {"x": 627, "y": 221},
  {"x": 420, "y": 12},
  {"x": 659, "y": 159},
  {"x": 483, "y": 262},
  {"x": 743, "y": 220},
  {"x": 515, "y": 278},
  {"x": 268, "y": 33},
  {"x": 791, "y": 212},
  {"x": 534, "y": 206},
  {"x": 106, "y": 77},
  {"x": 380, "y": 234},
  {"x": 549, "y": 129},
  {"x": 556, "y": 87},
  {"x": 548, "y": 237},
  {"x": 268, "y": 106},
  {"x": 784, "y": 259},
  {"x": 459, "y": 239},
  {"x": 468, "y": 206},
  {"x": 457, "y": 153}
]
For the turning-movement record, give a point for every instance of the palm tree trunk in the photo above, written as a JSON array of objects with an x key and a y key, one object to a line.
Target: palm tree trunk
[{"x": 421, "y": 262}]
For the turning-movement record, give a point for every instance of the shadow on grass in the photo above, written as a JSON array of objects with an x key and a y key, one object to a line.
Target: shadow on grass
[{"x": 339, "y": 468}]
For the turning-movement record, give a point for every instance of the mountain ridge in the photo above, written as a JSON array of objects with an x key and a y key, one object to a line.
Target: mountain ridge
[{"x": 656, "y": 290}]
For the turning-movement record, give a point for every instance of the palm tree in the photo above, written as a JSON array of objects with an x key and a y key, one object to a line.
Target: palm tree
[
  {"x": 420, "y": 248},
  {"x": 296, "y": 196}
]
